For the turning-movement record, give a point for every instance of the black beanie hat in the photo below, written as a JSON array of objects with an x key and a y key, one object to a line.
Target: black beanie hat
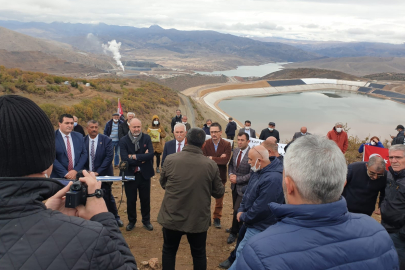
[{"x": 27, "y": 137}]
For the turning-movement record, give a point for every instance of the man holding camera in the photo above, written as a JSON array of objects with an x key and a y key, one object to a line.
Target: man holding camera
[
  {"x": 35, "y": 235},
  {"x": 137, "y": 149},
  {"x": 101, "y": 155},
  {"x": 71, "y": 155}
]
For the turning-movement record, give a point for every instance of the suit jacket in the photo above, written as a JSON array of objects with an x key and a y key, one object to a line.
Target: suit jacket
[
  {"x": 170, "y": 148},
  {"x": 104, "y": 155},
  {"x": 252, "y": 132},
  {"x": 224, "y": 147},
  {"x": 298, "y": 135},
  {"x": 143, "y": 161},
  {"x": 242, "y": 172},
  {"x": 60, "y": 165}
]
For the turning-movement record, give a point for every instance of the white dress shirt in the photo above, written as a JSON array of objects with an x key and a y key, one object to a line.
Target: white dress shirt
[
  {"x": 95, "y": 151},
  {"x": 248, "y": 132},
  {"x": 243, "y": 154},
  {"x": 181, "y": 145},
  {"x": 72, "y": 149}
]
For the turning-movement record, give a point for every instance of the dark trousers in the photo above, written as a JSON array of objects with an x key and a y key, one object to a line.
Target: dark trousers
[
  {"x": 109, "y": 199},
  {"x": 236, "y": 200},
  {"x": 157, "y": 155},
  {"x": 131, "y": 188},
  {"x": 171, "y": 243},
  {"x": 230, "y": 137},
  {"x": 242, "y": 232},
  {"x": 400, "y": 247}
]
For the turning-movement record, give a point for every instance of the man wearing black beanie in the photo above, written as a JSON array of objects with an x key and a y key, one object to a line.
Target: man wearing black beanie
[{"x": 48, "y": 236}]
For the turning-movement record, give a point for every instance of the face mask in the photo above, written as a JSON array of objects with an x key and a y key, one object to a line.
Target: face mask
[
  {"x": 339, "y": 130},
  {"x": 208, "y": 125},
  {"x": 253, "y": 168},
  {"x": 115, "y": 120},
  {"x": 247, "y": 128},
  {"x": 128, "y": 123},
  {"x": 75, "y": 123},
  {"x": 271, "y": 129},
  {"x": 156, "y": 122},
  {"x": 372, "y": 143},
  {"x": 303, "y": 134},
  {"x": 184, "y": 123}
]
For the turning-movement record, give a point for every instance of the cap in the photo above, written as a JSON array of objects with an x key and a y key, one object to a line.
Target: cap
[
  {"x": 272, "y": 124},
  {"x": 399, "y": 127}
]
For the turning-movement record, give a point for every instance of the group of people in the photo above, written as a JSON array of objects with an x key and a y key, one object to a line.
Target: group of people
[{"x": 304, "y": 210}]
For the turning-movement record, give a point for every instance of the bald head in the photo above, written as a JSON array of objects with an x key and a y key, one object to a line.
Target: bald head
[
  {"x": 303, "y": 130},
  {"x": 271, "y": 146},
  {"x": 258, "y": 157},
  {"x": 135, "y": 126}
]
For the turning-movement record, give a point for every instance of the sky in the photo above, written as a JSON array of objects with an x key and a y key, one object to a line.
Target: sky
[{"x": 323, "y": 20}]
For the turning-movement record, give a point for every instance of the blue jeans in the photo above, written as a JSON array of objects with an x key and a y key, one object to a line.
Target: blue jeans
[
  {"x": 250, "y": 232},
  {"x": 116, "y": 146},
  {"x": 400, "y": 247}
]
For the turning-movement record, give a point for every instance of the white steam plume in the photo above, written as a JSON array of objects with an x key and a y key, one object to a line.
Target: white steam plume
[{"x": 114, "y": 47}]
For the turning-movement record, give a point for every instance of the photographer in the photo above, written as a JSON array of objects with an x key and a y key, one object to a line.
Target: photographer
[{"x": 48, "y": 236}]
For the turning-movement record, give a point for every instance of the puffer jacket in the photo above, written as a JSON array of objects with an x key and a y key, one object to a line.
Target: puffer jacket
[
  {"x": 393, "y": 207},
  {"x": 339, "y": 138},
  {"x": 265, "y": 186},
  {"x": 35, "y": 238},
  {"x": 319, "y": 236}
]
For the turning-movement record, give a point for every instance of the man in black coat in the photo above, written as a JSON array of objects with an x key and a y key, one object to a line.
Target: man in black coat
[
  {"x": 271, "y": 131},
  {"x": 176, "y": 119},
  {"x": 231, "y": 127},
  {"x": 400, "y": 138},
  {"x": 101, "y": 154},
  {"x": 77, "y": 127},
  {"x": 123, "y": 129},
  {"x": 34, "y": 235},
  {"x": 137, "y": 149}
]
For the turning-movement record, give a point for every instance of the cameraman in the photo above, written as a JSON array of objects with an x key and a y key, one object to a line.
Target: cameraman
[{"x": 48, "y": 236}]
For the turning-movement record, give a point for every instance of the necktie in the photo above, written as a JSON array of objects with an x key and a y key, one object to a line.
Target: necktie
[
  {"x": 239, "y": 158},
  {"x": 93, "y": 156},
  {"x": 69, "y": 154},
  {"x": 178, "y": 148}
]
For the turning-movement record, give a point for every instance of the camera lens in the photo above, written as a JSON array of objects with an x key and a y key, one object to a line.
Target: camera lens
[{"x": 76, "y": 186}]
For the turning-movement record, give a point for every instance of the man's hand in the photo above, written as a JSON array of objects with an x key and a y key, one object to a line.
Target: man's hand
[
  {"x": 57, "y": 202},
  {"x": 147, "y": 151},
  {"x": 210, "y": 157},
  {"x": 94, "y": 205},
  {"x": 377, "y": 212},
  {"x": 71, "y": 175},
  {"x": 392, "y": 137},
  {"x": 96, "y": 173},
  {"x": 232, "y": 178},
  {"x": 223, "y": 155},
  {"x": 238, "y": 216}
]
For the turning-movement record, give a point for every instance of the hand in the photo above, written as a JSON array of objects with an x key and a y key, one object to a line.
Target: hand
[
  {"x": 96, "y": 173},
  {"x": 147, "y": 151},
  {"x": 210, "y": 157},
  {"x": 71, "y": 175},
  {"x": 377, "y": 212},
  {"x": 57, "y": 202},
  {"x": 159, "y": 130},
  {"x": 223, "y": 155},
  {"x": 232, "y": 178},
  {"x": 392, "y": 137},
  {"x": 94, "y": 205},
  {"x": 238, "y": 216}
]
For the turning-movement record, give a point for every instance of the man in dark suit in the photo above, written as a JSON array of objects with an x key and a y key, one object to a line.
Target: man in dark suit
[
  {"x": 271, "y": 131},
  {"x": 303, "y": 132},
  {"x": 230, "y": 129},
  {"x": 100, "y": 159},
  {"x": 239, "y": 175},
  {"x": 77, "y": 127},
  {"x": 71, "y": 154},
  {"x": 176, "y": 145},
  {"x": 137, "y": 149},
  {"x": 219, "y": 151},
  {"x": 247, "y": 129}
]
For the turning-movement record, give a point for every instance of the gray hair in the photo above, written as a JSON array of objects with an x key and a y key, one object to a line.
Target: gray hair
[
  {"x": 196, "y": 137},
  {"x": 317, "y": 167},
  {"x": 377, "y": 161},
  {"x": 398, "y": 147},
  {"x": 339, "y": 124},
  {"x": 92, "y": 122},
  {"x": 130, "y": 113},
  {"x": 180, "y": 125}
]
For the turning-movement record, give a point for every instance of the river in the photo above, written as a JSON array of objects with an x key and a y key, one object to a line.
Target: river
[{"x": 318, "y": 111}]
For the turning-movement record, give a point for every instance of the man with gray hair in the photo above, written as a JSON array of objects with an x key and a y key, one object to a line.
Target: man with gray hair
[
  {"x": 124, "y": 127},
  {"x": 339, "y": 136},
  {"x": 364, "y": 181},
  {"x": 314, "y": 228},
  {"x": 177, "y": 144},
  {"x": 393, "y": 206}
]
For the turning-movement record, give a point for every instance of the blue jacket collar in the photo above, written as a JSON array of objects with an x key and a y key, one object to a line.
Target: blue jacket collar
[
  {"x": 274, "y": 166},
  {"x": 312, "y": 215}
]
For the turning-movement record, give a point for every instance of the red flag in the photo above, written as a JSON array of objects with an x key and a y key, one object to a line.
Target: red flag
[
  {"x": 119, "y": 110},
  {"x": 370, "y": 151}
]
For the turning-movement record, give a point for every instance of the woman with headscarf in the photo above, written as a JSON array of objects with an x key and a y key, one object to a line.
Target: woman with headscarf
[
  {"x": 374, "y": 141},
  {"x": 157, "y": 133}
]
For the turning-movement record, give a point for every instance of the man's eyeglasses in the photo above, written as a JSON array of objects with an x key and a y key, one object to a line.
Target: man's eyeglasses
[
  {"x": 370, "y": 173},
  {"x": 396, "y": 157},
  {"x": 215, "y": 132}
]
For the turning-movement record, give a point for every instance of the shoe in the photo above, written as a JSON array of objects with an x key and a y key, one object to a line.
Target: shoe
[
  {"x": 231, "y": 238},
  {"x": 217, "y": 223},
  {"x": 148, "y": 226},
  {"x": 120, "y": 223},
  {"x": 157, "y": 170},
  {"x": 130, "y": 226},
  {"x": 225, "y": 264},
  {"x": 228, "y": 230}
]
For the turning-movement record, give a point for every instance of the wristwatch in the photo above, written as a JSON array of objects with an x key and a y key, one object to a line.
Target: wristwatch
[{"x": 98, "y": 193}]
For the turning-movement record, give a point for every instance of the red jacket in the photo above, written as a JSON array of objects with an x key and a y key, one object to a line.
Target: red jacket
[{"x": 339, "y": 138}]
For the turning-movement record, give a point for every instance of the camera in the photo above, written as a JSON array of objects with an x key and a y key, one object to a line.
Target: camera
[{"x": 77, "y": 194}]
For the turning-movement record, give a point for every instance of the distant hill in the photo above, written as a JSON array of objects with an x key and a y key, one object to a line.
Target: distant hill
[
  {"x": 142, "y": 42},
  {"x": 309, "y": 73},
  {"x": 32, "y": 49},
  {"x": 386, "y": 76},
  {"x": 358, "y": 66}
]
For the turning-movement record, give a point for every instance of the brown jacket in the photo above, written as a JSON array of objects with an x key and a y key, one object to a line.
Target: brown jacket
[
  {"x": 158, "y": 146},
  {"x": 224, "y": 147},
  {"x": 190, "y": 179}
]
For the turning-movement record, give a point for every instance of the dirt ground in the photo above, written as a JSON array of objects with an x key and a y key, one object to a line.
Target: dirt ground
[{"x": 145, "y": 245}]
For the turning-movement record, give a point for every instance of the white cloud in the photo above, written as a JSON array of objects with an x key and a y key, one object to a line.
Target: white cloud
[{"x": 345, "y": 20}]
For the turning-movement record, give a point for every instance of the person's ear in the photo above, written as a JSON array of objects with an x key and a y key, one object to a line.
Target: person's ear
[
  {"x": 290, "y": 185},
  {"x": 345, "y": 183}
]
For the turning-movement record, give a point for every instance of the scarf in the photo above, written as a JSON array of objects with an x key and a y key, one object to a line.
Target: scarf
[{"x": 135, "y": 140}]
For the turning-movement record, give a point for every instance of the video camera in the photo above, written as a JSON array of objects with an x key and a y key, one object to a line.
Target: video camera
[{"x": 77, "y": 194}]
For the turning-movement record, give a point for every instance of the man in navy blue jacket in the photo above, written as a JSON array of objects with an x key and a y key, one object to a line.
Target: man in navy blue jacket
[
  {"x": 314, "y": 229},
  {"x": 176, "y": 145},
  {"x": 137, "y": 149},
  {"x": 265, "y": 186},
  {"x": 100, "y": 159},
  {"x": 71, "y": 154}
]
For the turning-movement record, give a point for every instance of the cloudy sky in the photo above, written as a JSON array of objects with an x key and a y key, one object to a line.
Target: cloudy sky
[{"x": 343, "y": 20}]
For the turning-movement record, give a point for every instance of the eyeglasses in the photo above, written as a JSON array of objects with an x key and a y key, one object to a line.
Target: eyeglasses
[
  {"x": 215, "y": 132},
  {"x": 396, "y": 157},
  {"x": 370, "y": 173}
]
